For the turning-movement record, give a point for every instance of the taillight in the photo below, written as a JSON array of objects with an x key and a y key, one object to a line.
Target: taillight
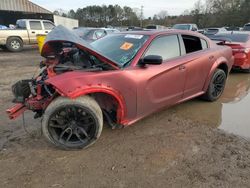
[{"x": 241, "y": 50}]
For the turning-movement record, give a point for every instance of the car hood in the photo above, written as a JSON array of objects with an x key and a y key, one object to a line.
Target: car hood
[{"x": 60, "y": 35}]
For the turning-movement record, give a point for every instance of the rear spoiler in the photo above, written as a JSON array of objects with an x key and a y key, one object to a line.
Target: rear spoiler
[{"x": 221, "y": 41}]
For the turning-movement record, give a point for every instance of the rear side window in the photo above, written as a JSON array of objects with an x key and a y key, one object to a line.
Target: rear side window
[
  {"x": 48, "y": 25},
  {"x": 21, "y": 24},
  {"x": 192, "y": 43},
  {"x": 168, "y": 47},
  {"x": 35, "y": 25},
  {"x": 204, "y": 44}
]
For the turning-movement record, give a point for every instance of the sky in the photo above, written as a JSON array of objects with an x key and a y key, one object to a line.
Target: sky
[{"x": 151, "y": 7}]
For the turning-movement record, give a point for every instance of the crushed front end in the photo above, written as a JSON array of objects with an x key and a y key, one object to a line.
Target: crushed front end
[
  {"x": 32, "y": 94},
  {"x": 63, "y": 52}
]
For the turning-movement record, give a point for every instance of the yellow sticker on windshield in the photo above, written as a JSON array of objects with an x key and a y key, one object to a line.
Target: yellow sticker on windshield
[{"x": 126, "y": 46}]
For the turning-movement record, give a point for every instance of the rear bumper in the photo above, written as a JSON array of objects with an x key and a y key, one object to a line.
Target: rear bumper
[
  {"x": 15, "y": 111},
  {"x": 241, "y": 66},
  {"x": 241, "y": 61}
]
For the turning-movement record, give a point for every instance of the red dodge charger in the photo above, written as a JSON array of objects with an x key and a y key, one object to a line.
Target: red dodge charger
[{"x": 119, "y": 79}]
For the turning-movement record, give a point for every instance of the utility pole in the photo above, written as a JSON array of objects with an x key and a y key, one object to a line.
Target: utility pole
[{"x": 142, "y": 16}]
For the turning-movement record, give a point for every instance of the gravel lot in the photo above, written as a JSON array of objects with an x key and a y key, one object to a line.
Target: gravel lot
[{"x": 178, "y": 147}]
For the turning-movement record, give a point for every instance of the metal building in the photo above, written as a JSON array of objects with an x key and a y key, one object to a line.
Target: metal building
[{"x": 12, "y": 10}]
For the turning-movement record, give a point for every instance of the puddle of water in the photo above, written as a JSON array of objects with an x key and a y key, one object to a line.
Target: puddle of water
[{"x": 230, "y": 113}]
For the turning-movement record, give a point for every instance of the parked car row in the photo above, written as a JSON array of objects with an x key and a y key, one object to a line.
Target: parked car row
[{"x": 24, "y": 34}]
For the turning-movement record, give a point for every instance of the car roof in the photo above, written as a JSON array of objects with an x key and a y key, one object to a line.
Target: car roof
[
  {"x": 108, "y": 28},
  {"x": 213, "y": 28},
  {"x": 235, "y": 32},
  {"x": 88, "y": 28},
  {"x": 34, "y": 20},
  {"x": 186, "y": 24},
  {"x": 162, "y": 32}
]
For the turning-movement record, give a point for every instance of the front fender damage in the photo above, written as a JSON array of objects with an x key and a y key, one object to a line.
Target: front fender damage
[{"x": 74, "y": 88}]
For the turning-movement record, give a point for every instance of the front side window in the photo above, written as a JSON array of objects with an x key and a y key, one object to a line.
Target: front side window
[
  {"x": 167, "y": 47},
  {"x": 35, "y": 25}
]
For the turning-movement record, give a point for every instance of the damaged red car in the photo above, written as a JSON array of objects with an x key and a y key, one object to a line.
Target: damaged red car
[
  {"x": 240, "y": 43},
  {"x": 119, "y": 79}
]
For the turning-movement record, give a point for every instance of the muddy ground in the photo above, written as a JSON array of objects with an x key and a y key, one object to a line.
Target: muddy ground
[{"x": 179, "y": 147}]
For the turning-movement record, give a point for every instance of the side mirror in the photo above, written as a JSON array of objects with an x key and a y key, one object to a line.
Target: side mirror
[{"x": 151, "y": 60}]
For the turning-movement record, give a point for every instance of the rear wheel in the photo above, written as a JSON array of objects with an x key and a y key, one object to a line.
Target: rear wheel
[
  {"x": 14, "y": 44},
  {"x": 216, "y": 86},
  {"x": 246, "y": 70},
  {"x": 72, "y": 124}
]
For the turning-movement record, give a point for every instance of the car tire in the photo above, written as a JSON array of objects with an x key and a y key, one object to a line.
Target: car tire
[
  {"x": 72, "y": 124},
  {"x": 14, "y": 44},
  {"x": 3, "y": 47},
  {"x": 216, "y": 86},
  {"x": 246, "y": 70}
]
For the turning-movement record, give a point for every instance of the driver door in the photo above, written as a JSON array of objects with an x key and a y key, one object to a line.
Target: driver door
[{"x": 162, "y": 85}]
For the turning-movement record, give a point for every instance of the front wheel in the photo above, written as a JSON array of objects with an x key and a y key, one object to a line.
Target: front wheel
[
  {"x": 14, "y": 44},
  {"x": 216, "y": 86},
  {"x": 73, "y": 124}
]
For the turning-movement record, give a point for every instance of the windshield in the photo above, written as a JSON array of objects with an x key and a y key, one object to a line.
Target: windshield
[
  {"x": 182, "y": 27},
  {"x": 120, "y": 48},
  {"x": 246, "y": 27},
  {"x": 232, "y": 37}
]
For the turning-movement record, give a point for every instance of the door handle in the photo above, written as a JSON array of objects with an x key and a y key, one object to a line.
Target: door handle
[
  {"x": 33, "y": 32},
  {"x": 211, "y": 57},
  {"x": 182, "y": 67},
  {"x": 46, "y": 32}
]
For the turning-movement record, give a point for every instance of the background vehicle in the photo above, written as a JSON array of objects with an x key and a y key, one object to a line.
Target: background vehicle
[
  {"x": 133, "y": 28},
  {"x": 24, "y": 34},
  {"x": 91, "y": 34},
  {"x": 188, "y": 27},
  {"x": 155, "y": 27},
  {"x": 213, "y": 31},
  {"x": 3, "y": 27},
  {"x": 246, "y": 27},
  {"x": 234, "y": 28},
  {"x": 240, "y": 43},
  {"x": 121, "y": 78},
  {"x": 111, "y": 30}
]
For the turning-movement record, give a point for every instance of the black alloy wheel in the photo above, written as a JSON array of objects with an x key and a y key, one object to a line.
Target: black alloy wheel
[
  {"x": 216, "y": 86},
  {"x": 73, "y": 124}
]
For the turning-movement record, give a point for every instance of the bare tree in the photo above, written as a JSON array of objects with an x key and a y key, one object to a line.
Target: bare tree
[{"x": 162, "y": 14}]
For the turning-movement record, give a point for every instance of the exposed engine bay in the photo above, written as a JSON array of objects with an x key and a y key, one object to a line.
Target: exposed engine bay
[{"x": 35, "y": 94}]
